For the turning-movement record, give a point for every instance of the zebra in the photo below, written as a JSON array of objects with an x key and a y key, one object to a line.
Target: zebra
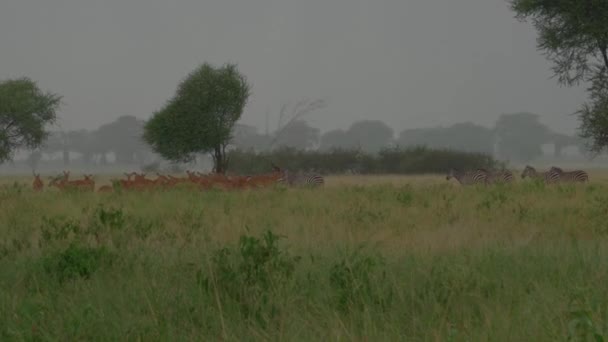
[
  {"x": 468, "y": 177},
  {"x": 301, "y": 179},
  {"x": 498, "y": 176},
  {"x": 571, "y": 176},
  {"x": 550, "y": 176}
]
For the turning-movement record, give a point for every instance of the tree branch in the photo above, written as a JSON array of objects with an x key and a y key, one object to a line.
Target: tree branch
[
  {"x": 301, "y": 108},
  {"x": 604, "y": 50}
]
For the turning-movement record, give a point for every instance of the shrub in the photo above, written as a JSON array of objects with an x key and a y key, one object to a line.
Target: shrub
[
  {"x": 250, "y": 275},
  {"x": 414, "y": 160},
  {"x": 76, "y": 262}
]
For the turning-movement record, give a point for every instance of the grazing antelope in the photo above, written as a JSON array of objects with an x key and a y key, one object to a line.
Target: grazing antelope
[
  {"x": 62, "y": 182},
  {"x": 37, "y": 184},
  {"x": 266, "y": 179},
  {"x": 88, "y": 179}
]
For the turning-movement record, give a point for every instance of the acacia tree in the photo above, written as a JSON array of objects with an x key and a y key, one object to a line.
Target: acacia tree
[
  {"x": 574, "y": 36},
  {"x": 201, "y": 115},
  {"x": 25, "y": 112}
]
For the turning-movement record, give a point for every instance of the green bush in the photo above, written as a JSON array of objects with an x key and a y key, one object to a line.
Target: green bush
[
  {"x": 76, "y": 262},
  {"x": 250, "y": 275},
  {"x": 414, "y": 160}
]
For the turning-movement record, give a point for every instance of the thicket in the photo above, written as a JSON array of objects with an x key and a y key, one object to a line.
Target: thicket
[{"x": 414, "y": 160}]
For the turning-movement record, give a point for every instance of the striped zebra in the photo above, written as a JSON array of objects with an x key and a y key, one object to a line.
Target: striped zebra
[
  {"x": 498, "y": 176},
  {"x": 548, "y": 177},
  {"x": 468, "y": 177},
  {"x": 301, "y": 179},
  {"x": 571, "y": 176}
]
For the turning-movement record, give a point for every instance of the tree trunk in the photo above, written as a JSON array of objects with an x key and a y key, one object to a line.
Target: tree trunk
[{"x": 219, "y": 160}]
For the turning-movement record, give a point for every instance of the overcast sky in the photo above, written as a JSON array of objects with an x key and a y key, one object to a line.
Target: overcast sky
[{"x": 411, "y": 63}]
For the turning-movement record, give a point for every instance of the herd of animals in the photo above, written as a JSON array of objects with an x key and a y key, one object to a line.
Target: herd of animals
[
  {"x": 138, "y": 181},
  {"x": 483, "y": 176}
]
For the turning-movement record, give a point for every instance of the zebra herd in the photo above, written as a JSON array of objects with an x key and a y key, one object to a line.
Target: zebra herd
[
  {"x": 477, "y": 176},
  {"x": 300, "y": 178},
  {"x": 483, "y": 176}
]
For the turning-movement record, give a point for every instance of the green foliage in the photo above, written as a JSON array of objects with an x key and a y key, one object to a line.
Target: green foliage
[
  {"x": 201, "y": 115},
  {"x": 358, "y": 280},
  {"x": 58, "y": 229},
  {"x": 25, "y": 111},
  {"x": 574, "y": 36},
  {"x": 251, "y": 275},
  {"x": 415, "y": 160},
  {"x": 443, "y": 262},
  {"x": 594, "y": 115},
  {"x": 76, "y": 262},
  {"x": 581, "y": 326},
  {"x": 111, "y": 218},
  {"x": 405, "y": 195}
]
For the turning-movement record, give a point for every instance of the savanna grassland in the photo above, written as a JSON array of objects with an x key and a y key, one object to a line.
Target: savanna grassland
[{"x": 383, "y": 258}]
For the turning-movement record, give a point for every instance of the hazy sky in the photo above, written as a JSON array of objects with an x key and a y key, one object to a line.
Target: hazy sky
[{"x": 411, "y": 63}]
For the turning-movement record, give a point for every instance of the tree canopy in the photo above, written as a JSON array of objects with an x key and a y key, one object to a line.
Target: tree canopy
[
  {"x": 25, "y": 112},
  {"x": 335, "y": 139},
  {"x": 122, "y": 136},
  {"x": 465, "y": 136},
  {"x": 371, "y": 135},
  {"x": 574, "y": 35},
  {"x": 201, "y": 115},
  {"x": 520, "y": 136},
  {"x": 299, "y": 135}
]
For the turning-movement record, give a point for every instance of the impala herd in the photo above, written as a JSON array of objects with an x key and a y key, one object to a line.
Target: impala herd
[{"x": 139, "y": 181}]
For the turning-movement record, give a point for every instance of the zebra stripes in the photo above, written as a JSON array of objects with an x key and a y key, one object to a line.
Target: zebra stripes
[
  {"x": 548, "y": 177},
  {"x": 301, "y": 179},
  {"x": 485, "y": 176},
  {"x": 498, "y": 176},
  {"x": 468, "y": 177},
  {"x": 571, "y": 176}
]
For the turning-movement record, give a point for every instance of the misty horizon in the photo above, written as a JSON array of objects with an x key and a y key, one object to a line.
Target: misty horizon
[{"x": 410, "y": 64}]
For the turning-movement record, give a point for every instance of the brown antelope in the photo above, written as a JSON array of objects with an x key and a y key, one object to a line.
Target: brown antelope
[
  {"x": 88, "y": 179},
  {"x": 63, "y": 183},
  {"x": 37, "y": 185}
]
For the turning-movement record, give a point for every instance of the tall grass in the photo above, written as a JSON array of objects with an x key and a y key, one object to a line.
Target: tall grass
[{"x": 410, "y": 260}]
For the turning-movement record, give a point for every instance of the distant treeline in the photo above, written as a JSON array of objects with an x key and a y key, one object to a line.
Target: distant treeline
[{"x": 413, "y": 160}]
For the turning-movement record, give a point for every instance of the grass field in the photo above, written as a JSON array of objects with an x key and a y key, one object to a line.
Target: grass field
[{"x": 375, "y": 258}]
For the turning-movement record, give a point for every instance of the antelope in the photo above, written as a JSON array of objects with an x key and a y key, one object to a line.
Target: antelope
[
  {"x": 62, "y": 182},
  {"x": 37, "y": 185}
]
